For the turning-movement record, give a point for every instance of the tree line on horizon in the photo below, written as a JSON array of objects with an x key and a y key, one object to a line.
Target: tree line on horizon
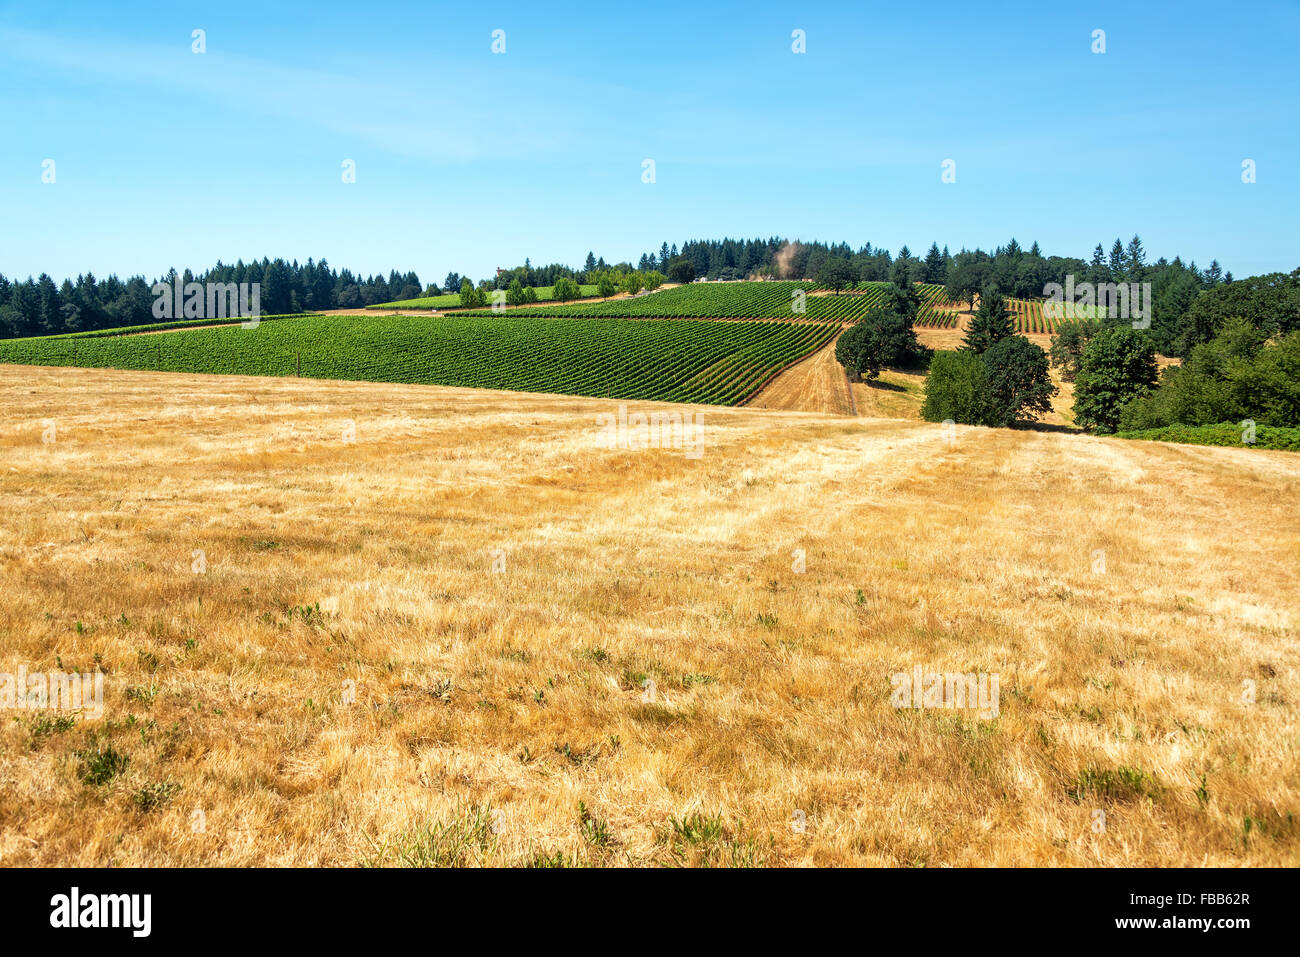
[{"x": 41, "y": 307}]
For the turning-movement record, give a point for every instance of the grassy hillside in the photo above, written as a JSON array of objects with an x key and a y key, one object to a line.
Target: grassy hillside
[{"x": 434, "y": 644}]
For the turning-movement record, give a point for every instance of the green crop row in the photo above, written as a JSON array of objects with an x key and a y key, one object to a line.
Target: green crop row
[
  {"x": 1037, "y": 316},
  {"x": 712, "y": 362},
  {"x": 451, "y": 300},
  {"x": 730, "y": 300}
]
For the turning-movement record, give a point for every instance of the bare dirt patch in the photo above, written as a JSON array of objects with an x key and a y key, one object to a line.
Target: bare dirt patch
[{"x": 817, "y": 384}]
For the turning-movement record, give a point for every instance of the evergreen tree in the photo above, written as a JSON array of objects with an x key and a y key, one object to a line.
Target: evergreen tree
[
  {"x": 1134, "y": 260},
  {"x": 1098, "y": 272},
  {"x": 900, "y": 274},
  {"x": 936, "y": 269},
  {"x": 1118, "y": 261},
  {"x": 48, "y": 317},
  {"x": 991, "y": 322}
]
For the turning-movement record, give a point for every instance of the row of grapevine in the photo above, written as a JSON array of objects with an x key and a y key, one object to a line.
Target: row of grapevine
[
  {"x": 1028, "y": 316},
  {"x": 1038, "y": 316},
  {"x": 451, "y": 300},
  {"x": 732, "y": 300},
  {"x": 712, "y": 362}
]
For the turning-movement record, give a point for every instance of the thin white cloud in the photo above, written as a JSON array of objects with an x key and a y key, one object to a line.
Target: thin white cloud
[{"x": 430, "y": 112}]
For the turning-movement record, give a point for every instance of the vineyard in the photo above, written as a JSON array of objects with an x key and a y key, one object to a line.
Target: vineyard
[
  {"x": 1034, "y": 315},
  {"x": 745, "y": 300},
  {"x": 708, "y": 362},
  {"x": 1029, "y": 317},
  {"x": 451, "y": 300},
  {"x": 937, "y": 310}
]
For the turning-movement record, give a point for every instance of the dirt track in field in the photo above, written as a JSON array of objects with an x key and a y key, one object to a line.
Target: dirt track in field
[{"x": 816, "y": 384}]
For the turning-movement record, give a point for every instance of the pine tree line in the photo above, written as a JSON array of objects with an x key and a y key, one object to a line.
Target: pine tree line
[{"x": 38, "y": 307}]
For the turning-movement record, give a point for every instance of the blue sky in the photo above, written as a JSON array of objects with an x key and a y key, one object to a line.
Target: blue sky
[{"x": 466, "y": 160}]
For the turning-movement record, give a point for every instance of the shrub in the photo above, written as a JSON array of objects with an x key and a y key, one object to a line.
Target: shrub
[
  {"x": 1121, "y": 784},
  {"x": 100, "y": 763},
  {"x": 153, "y": 796},
  {"x": 1228, "y": 434},
  {"x": 467, "y": 839},
  {"x": 957, "y": 388}
]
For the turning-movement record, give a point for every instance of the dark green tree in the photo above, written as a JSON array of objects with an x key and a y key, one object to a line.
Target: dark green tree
[
  {"x": 1118, "y": 366},
  {"x": 565, "y": 289},
  {"x": 1098, "y": 272},
  {"x": 967, "y": 275},
  {"x": 957, "y": 390},
  {"x": 1240, "y": 374},
  {"x": 836, "y": 274},
  {"x": 681, "y": 270},
  {"x": 1019, "y": 384},
  {"x": 1134, "y": 260},
  {"x": 1072, "y": 337},
  {"x": 1271, "y": 302},
  {"x": 904, "y": 300},
  {"x": 515, "y": 293},
  {"x": 884, "y": 338},
  {"x": 936, "y": 269},
  {"x": 991, "y": 322},
  {"x": 1118, "y": 264},
  {"x": 471, "y": 298}
]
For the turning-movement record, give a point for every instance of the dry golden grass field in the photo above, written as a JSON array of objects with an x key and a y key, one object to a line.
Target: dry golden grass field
[{"x": 431, "y": 645}]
